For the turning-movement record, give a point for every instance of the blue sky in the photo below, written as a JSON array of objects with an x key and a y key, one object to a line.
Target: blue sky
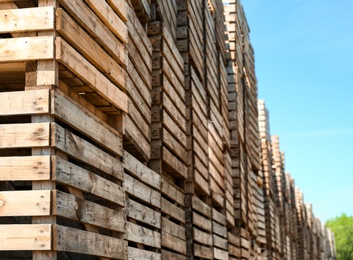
[{"x": 304, "y": 67}]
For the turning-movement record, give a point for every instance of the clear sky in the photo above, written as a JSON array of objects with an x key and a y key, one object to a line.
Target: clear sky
[{"x": 304, "y": 67}]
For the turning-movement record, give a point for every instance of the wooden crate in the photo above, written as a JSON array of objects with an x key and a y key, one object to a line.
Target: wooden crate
[{"x": 167, "y": 13}]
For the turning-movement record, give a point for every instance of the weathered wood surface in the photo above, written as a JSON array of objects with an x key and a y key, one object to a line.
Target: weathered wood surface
[{"x": 83, "y": 242}]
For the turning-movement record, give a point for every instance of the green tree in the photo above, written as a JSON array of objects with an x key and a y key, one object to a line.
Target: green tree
[{"x": 342, "y": 227}]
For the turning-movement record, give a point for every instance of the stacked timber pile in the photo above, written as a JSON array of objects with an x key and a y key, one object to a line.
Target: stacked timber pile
[
  {"x": 129, "y": 130},
  {"x": 245, "y": 143},
  {"x": 292, "y": 231}
]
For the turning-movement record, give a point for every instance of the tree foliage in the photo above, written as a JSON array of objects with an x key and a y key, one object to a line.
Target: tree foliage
[{"x": 342, "y": 227}]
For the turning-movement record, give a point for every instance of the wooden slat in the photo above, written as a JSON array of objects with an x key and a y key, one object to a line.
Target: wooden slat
[
  {"x": 82, "y": 120},
  {"x": 69, "y": 206},
  {"x": 173, "y": 193},
  {"x": 25, "y": 203},
  {"x": 27, "y": 19},
  {"x": 172, "y": 210},
  {"x": 72, "y": 175},
  {"x": 202, "y": 237},
  {"x": 90, "y": 49},
  {"x": 89, "y": 74},
  {"x": 24, "y": 102},
  {"x": 173, "y": 242},
  {"x": 25, "y": 237},
  {"x": 203, "y": 252},
  {"x": 78, "y": 241},
  {"x": 31, "y": 168},
  {"x": 142, "y": 213},
  {"x": 24, "y": 135},
  {"x": 140, "y": 254},
  {"x": 143, "y": 235},
  {"x": 141, "y": 172},
  {"x": 173, "y": 229},
  {"x": 109, "y": 18},
  {"x": 179, "y": 168},
  {"x": 26, "y": 49},
  {"x": 87, "y": 19},
  {"x": 120, "y": 7},
  {"x": 84, "y": 151},
  {"x": 141, "y": 191}
]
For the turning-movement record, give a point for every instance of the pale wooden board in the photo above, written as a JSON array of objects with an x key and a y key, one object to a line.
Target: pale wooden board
[
  {"x": 173, "y": 229},
  {"x": 201, "y": 222},
  {"x": 84, "y": 121},
  {"x": 27, "y": 19},
  {"x": 140, "y": 254},
  {"x": 89, "y": 74},
  {"x": 25, "y": 203},
  {"x": 26, "y": 49},
  {"x": 203, "y": 251},
  {"x": 75, "y": 176},
  {"x": 172, "y": 192},
  {"x": 25, "y": 168},
  {"x": 25, "y": 237},
  {"x": 24, "y": 102},
  {"x": 84, "y": 151},
  {"x": 202, "y": 237},
  {"x": 83, "y": 242},
  {"x": 143, "y": 235},
  {"x": 24, "y": 135},
  {"x": 120, "y": 7},
  {"x": 69, "y": 206}
]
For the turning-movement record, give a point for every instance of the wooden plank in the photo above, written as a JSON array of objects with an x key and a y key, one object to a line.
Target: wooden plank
[
  {"x": 72, "y": 175},
  {"x": 219, "y": 229},
  {"x": 27, "y": 19},
  {"x": 89, "y": 48},
  {"x": 142, "y": 213},
  {"x": 25, "y": 237},
  {"x": 84, "y": 121},
  {"x": 173, "y": 229},
  {"x": 84, "y": 151},
  {"x": 170, "y": 142},
  {"x": 142, "y": 191},
  {"x": 171, "y": 255},
  {"x": 202, "y": 237},
  {"x": 95, "y": 27},
  {"x": 140, "y": 254},
  {"x": 142, "y": 235},
  {"x": 219, "y": 217},
  {"x": 173, "y": 242},
  {"x": 26, "y": 49},
  {"x": 179, "y": 168},
  {"x": 201, "y": 207},
  {"x": 220, "y": 242},
  {"x": 109, "y": 18},
  {"x": 203, "y": 251},
  {"x": 69, "y": 206},
  {"x": 24, "y": 102},
  {"x": 220, "y": 254},
  {"x": 25, "y": 203},
  {"x": 172, "y": 210},
  {"x": 171, "y": 192},
  {"x": 24, "y": 135},
  {"x": 25, "y": 168},
  {"x": 141, "y": 172},
  {"x": 89, "y": 74},
  {"x": 174, "y": 129},
  {"x": 120, "y": 7},
  {"x": 201, "y": 221},
  {"x": 78, "y": 241}
]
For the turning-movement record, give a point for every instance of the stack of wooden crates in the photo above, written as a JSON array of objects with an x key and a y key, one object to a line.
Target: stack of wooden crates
[{"x": 129, "y": 130}]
